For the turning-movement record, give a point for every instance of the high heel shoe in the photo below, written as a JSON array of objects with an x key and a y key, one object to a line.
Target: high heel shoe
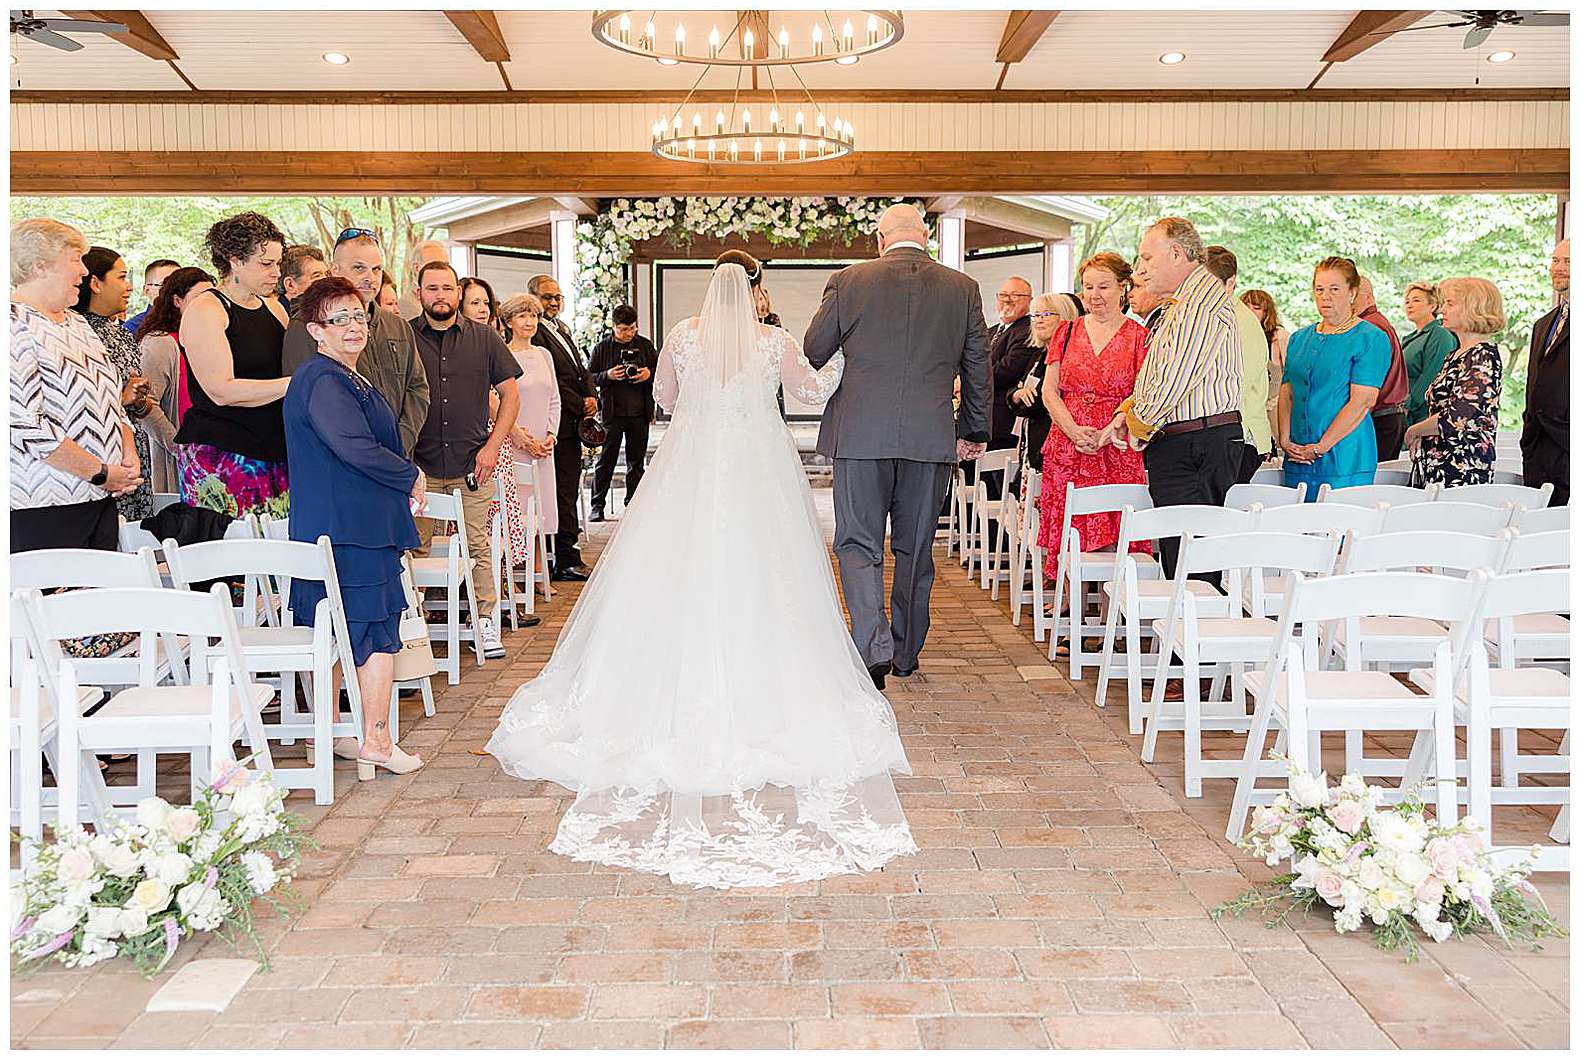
[
  {"x": 346, "y": 747},
  {"x": 399, "y": 763}
]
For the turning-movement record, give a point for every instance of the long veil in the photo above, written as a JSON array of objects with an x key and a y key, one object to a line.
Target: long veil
[{"x": 704, "y": 700}]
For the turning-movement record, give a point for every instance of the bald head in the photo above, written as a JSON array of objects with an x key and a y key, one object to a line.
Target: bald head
[
  {"x": 901, "y": 223},
  {"x": 1560, "y": 268},
  {"x": 1365, "y": 296}
]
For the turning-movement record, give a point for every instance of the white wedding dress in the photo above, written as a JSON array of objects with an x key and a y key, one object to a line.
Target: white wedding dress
[{"x": 704, "y": 700}]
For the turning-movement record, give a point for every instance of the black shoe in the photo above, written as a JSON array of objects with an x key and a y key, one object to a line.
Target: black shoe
[
  {"x": 595, "y": 516},
  {"x": 879, "y": 671},
  {"x": 570, "y": 574},
  {"x": 528, "y": 621},
  {"x": 904, "y": 671}
]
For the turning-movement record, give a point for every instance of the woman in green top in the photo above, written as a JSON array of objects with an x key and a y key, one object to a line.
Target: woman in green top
[{"x": 1426, "y": 347}]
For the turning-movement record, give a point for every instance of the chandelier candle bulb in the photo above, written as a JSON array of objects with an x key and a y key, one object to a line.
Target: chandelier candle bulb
[
  {"x": 849, "y": 35},
  {"x": 872, "y": 30},
  {"x": 648, "y": 37},
  {"x": 746, "y": 121},
  {"x": 718, "y": 119},
  {"x": 625, "y": 29},
  {"x": 800, "y": 123},
  {"x": 781, "y": 150},
  {"x": 757, "y": 151},
  {"x": 773, "y": 120},
  {"x": 784, "y": 42},
  {"x": 680, "y": 38},
  {"x": 713, "y": 43},
  {"x": 817, "y": 39},
  {"x": 747, "y": 41}
]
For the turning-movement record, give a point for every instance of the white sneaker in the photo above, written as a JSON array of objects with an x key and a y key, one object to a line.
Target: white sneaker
[{"x": 493, "y": 647}]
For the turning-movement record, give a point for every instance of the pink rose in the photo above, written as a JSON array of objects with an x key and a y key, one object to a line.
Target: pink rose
[
  {"x": 1429, "y": 891},
  {"x": 1330, "y": 886},
  {"x": 1444, "y": 856},
  {"x": 1347, "y": 816}
]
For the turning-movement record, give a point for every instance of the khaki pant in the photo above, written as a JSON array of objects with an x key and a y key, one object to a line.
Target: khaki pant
[{"x": 474, "y": 505}]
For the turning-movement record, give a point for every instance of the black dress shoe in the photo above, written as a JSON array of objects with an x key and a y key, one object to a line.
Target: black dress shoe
[
  {"x": 570, "y": 574},
  {"x": 904, "y": 672},
  {"x": 878, "y": 672},
  {"x": 528, "y": 621},
  {"x": 595, "y": 516}
]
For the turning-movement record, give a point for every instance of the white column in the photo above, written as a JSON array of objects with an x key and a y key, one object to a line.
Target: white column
[
  {"x": 1058, "y": 265},
  {"x": 562, "y": 230},
  {"x": 463, "y": 257},
  {"x": 952, "y": 240}
]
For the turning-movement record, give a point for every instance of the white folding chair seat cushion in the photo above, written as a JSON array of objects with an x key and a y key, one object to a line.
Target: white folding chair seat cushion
[
  {"x": 1372, "y": 686},
  {"x": 1245, "y": 628},
  {"x": 151, "y": 706},
  {"x": 1523, "y": 683},
  {"x": 1392, "y": 628}
]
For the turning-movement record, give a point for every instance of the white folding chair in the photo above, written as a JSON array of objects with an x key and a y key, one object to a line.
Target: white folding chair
[
  {"x": 1028, "y": 561},
  {"x": 1264, "y": 591},
  {"x": 1077, "y": 569},
  {"x": 1244, "y": 494},
  {"x": 282, "y": 647},
  {"x": 1232, "y": 639},
  {"x": 1508, "y": 470},
  {"x": 1302, "y": 700},
  {"x": 1533, "y": 636},
  {"x": 1455, "y": 516},
  {"x": 1394, "y": 472},
  {"x": 1011, "y": 517},
  {"x": 1395, "y": 643},
  {"x": 34, "y": 719},
  {"x": 961, "y": 494},
  {"x": 202, "y": 720},
  {"x": 1268, "y": 475},
  {"x": 1509, "y": 700},
  {"x": 450, "y": 570},
  {"x": 1499, "y": 495},
  {"x": 534, "y": 577},
  {"x": 1371, "y": 496},
  {"x": 986, "y": 512},
  {"x": 1541, "y": 520},
  {"x": 1136, "y": 600}
]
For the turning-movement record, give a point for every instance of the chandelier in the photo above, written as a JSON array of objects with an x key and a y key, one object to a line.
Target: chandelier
[
  {"x": 794, "y": 130},
  {"x": 748, "y": 39}
]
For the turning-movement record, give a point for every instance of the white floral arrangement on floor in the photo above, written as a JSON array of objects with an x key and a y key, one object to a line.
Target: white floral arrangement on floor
[
  {"x": 142, "y": 886},
  {"x": 1390, "y": 865}
]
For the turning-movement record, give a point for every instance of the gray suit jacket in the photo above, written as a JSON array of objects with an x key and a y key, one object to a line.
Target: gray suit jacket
[{"x": 908, "y": 327}]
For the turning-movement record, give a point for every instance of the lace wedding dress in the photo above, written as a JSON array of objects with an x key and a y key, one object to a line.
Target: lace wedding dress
[{"x": 704, "y": 700}]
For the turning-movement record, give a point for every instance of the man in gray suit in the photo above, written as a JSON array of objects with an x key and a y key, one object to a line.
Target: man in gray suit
[{"x": 908, "y": 327}]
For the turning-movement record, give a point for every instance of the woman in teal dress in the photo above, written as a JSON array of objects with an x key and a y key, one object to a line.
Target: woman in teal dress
[{"x": 1332, "y": 373}]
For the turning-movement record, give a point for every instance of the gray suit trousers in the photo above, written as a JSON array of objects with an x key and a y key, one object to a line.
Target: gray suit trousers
[{"x": 907, "y": 496}]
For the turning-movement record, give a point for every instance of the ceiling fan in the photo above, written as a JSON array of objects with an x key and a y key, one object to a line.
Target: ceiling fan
[
  {"x": 1482, "y": 23},
  {"x": 51, "y": 31}
]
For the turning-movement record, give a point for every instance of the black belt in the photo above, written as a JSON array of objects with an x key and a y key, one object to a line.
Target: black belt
[
  {"x": 1389, "y": 411},
  {"x": 1202, "y": 423}
]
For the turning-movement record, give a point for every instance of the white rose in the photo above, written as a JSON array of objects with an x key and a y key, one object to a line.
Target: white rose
[
  {"x": 172, "y": 869},
  {"x": 152, "y": 812},
  {"x": 1369, "y": 874},
  {"x": 151, "y": 896},
  {"x": 1309, "y": 792},
  {"x": 76, "y": 865},
  {"x": 1411, "y": 868},
  {"x": 118, "y": 860},
  {"x": 182, "y": 824},
  {"x": 132, "y": 922},
  {"x": 188, "y": 897},
  {"x": 104, "y": 921},
  {"x": 57, "y": 920},
  {"x": 252, "y": 799},
  {"x": 1395, "y": 833}
]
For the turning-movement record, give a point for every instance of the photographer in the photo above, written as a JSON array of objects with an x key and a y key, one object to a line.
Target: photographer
[{"x": 622, "y": 366}]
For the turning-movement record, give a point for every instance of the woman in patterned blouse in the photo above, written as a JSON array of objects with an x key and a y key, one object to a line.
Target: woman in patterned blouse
[
  {"x": 72, "y": 450},
  {"x": 1457, "y": 442}
]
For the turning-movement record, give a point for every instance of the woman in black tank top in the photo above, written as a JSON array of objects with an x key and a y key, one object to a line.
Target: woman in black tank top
[{"x": 231, "y": 447}]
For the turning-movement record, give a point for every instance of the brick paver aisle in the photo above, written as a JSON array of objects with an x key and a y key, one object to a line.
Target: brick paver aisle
[{"x": 1060, "y": 899}]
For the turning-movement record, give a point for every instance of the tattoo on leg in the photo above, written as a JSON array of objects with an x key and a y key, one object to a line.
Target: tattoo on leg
[{"x": 380, "y": 725}]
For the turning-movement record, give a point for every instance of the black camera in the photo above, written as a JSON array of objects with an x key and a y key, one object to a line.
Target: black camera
[
  {"x": 631, "y": 361},
  {"x": 471, "y": 481}
]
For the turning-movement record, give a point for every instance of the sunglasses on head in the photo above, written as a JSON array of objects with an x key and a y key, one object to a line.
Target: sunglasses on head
[{"x": 356, "y": 233}]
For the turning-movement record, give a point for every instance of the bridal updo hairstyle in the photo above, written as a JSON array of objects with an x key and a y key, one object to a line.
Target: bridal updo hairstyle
[{"x": 754, "y": 268}]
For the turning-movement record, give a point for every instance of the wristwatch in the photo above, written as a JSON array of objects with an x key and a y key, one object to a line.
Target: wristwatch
[{"x": 102, "y": 477}]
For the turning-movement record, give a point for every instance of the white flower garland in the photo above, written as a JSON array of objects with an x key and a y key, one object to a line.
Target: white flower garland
[{"x": 603, "y": 243}]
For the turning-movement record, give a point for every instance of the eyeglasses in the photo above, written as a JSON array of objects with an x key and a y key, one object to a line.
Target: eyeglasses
[
  {"x": 356, "y": 233},
  {"x": 1002, "y": 297},
  {"x": 345, "y": 317},
  {"x": 1041, "y": 313},
  {"x": 551, "y": 298}
]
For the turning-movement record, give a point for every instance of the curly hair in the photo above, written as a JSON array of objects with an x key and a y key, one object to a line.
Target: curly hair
[{"x": 238, "y": 238}]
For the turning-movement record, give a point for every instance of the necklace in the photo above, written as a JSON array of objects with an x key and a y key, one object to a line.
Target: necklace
[{"x": 1323, "y": 328}]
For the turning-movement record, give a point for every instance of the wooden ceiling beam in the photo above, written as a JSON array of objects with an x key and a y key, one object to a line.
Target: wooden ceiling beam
[
  {"x": 140, "y": 35},
  {"x": 1367, "y": 30},
  {"x": 1022, "y": 31},
  {"x": 482, "y": 32}
]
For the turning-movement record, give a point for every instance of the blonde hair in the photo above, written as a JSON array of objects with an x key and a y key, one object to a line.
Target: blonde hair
[
  {"x": 1063, "y": 306},
  {"x": 1428, "y": 291},
  {"x": 37, "y": 243},
  {"x": 1482, "y": 303}
]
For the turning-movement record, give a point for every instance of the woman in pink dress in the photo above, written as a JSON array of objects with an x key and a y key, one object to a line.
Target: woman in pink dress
[
  {"x": 1092, "y": 366},
  {"x": 533, "y": 439}
]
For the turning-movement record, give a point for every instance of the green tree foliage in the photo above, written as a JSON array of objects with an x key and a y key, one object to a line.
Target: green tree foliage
[
  {"x": 146, "y": 228},
  {"x": 1394, "y": 239}
]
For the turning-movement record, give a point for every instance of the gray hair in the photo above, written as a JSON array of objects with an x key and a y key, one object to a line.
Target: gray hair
[
  {"x": 1183, "y": 234},
  {"x": 517, "y": 304},
  {"x": 535, "y": 285},
  {"x": 36, "y": 243},
  {"x": 1062, "y": 305}
]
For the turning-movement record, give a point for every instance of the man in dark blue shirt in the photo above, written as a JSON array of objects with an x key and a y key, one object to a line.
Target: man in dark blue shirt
[{"x": 622, "y": 365}]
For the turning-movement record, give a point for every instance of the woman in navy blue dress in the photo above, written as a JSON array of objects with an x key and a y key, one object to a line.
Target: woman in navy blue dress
[{"x": 358, "y": 487}]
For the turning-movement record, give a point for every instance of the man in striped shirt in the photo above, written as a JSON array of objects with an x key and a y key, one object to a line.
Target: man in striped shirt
[{"x": 1185, "y": 408}]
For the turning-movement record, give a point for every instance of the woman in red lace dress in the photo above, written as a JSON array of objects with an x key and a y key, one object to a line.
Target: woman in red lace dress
[{"x": 1092, "y": 366}]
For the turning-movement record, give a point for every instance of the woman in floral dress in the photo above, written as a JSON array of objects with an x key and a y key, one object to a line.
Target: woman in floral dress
[
  {"x": 1457, "y": 442},
  {"x": 1092, "y": 366}
]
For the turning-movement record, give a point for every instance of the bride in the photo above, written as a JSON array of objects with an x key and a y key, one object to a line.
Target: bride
[{"x": 705, "y": 701}]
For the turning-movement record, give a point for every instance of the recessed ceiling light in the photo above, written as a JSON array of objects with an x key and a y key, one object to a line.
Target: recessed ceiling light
[
  {"x": 336, "y": 58},
  {"x": 1500, "y": 57},
  {"x": 1171, "y": 58},
  {"x": 847, "y": 60},
  {"x": 664, "y": 60}
]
